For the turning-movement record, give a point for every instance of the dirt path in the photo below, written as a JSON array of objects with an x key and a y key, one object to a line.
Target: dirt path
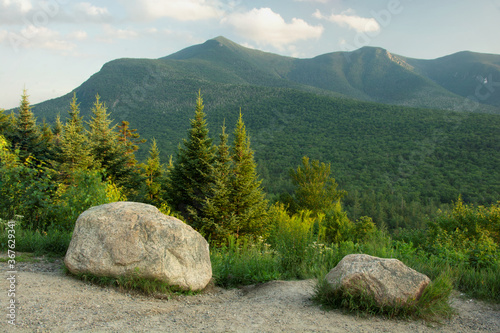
[{"x": 49, "y": 301}]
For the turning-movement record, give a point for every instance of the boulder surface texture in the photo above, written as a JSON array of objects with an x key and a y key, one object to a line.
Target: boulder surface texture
[
  {"x": 124, "y": 238},
  {"x": 389, "y": 281}
]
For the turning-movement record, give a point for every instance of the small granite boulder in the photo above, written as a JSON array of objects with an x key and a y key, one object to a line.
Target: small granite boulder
[
  {"x": 123, "y": 238},
  {"x": 389, "y": 281}
]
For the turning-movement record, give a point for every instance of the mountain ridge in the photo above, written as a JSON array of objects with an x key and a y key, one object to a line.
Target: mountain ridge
[
  {"x": 367, "y": 74},
  {"x": 295, "y": 107}
]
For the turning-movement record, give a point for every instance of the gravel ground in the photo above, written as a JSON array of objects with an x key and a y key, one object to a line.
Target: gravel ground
[{"x": 49, "y": 301}]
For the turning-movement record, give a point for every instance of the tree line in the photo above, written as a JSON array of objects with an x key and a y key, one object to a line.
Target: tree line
[{"x": 50, "y": 174}]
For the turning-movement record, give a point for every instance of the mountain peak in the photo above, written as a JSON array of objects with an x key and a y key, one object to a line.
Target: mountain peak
[
  {"x": 200, "y": 50},
  {"x": 223, "y": 40}
]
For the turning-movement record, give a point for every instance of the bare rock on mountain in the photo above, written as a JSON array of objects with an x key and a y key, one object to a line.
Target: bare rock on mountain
[
  {"x": 123, "y": 238},
  {"x": 389, "y": 281}
]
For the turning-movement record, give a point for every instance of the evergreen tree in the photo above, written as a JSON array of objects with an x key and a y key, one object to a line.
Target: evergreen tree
[
  {"x": 74, "y": 147},
  {"x": 47, "y": 136},
  {"x": 248, "y": 202},
  {"x": 108, "y": 153},
  {"x": 58, "y": 130},
  {"x": 130, "y": 139},
  {"x": 315, "y": 189},
  {"x": 27, "y": 137},
  {"x": 5, "y": 125},
  {"x": 191, "y": 174},
  {"x": 74, "y": 115},
  {"x": 219, "y": 220},
  {"x": 154, "y": 173}
]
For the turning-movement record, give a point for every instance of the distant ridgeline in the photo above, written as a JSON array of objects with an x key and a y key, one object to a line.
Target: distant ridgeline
[{"x": 380, "y": 119}]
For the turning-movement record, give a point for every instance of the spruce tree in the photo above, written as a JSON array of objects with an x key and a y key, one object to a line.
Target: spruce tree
[
  {"x": 219, "y": 219},
  {"x": 58, "y": 130},
  {"x": 248, "y": 202},
  {"x": 27, "y": 136},
  {"x": 130, "y": 139},
  {"x": 74, "y": 115},
  {"x": 74, "y": 146},
  {"x": 191, "y": 174},
  {"x": 108, "y": 153},
  {"x": 154, "y": 172}
]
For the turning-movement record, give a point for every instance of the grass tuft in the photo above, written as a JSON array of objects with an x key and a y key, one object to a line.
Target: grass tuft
[
  {"x": 433, "y": 305},
  {"x": 133, "y": 282}
]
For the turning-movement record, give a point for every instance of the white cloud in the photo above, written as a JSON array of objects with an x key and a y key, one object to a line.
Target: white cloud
[
  {"x": 40, "y": 37},
  {"x": 78, "y": 35},
  {"x": 111, "y": 33},
  {"x": 182, "y": 10},
  {"x": 267, "y": 27},
  {"x": 85, "y": 11},
  {"x": 12, "y": 11},
  {"x": 3, "y": 35},
  {"x": 360, "y": 24},
  {"x": 91, "y": 10},
  {"x": 22, "y": 6}
]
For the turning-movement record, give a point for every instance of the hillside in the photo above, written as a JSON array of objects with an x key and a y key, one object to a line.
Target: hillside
[{"x": 295, "y": 107}]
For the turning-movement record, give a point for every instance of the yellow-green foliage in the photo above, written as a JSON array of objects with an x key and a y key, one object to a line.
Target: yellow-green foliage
[
  {"x": 335, "y": 227},
  {"x": 85, "y": 190},
  {"x": 291, "y": 236},
  {"x": 467, "y": 234}
]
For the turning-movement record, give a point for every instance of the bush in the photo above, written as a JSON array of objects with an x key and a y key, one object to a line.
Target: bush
[
  {"x": 86, "y": 190},
  {"x": 467, "y": 234},
  {"x": 291, "y": 236},
  {"x": 241, "y": 262}
]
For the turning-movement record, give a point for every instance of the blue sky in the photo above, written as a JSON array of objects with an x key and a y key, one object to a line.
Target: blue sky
[{"x": 50, "y": 47}]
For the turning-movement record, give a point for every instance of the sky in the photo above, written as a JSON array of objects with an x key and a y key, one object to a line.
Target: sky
[{"x": 50, "y": 47}]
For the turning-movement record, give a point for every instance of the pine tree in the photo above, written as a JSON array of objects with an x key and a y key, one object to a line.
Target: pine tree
[
  {"x": 74, "y": 146},
  {"x": 47, "y": 136},
  {"x": 191, "y": 174},
  {"x": 58, "y": 127},
  {"x": 130, "y": 139},
  {"x": 74, "y": 115},
  {"x": 27, "y": 137},
  {"x": 108, "y": 153},
  {"x": 154, "y": 173},
  {"x": 249, "y": 204},
  {"x": 219, "y": 220}
]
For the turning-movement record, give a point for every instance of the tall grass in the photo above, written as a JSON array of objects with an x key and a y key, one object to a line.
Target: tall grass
[
  {"x": 133, "y": 282},
  {"x": 52, "y": 242},
  {"x": 294, "y": 249},
  {"x": 240, "y": 262}
]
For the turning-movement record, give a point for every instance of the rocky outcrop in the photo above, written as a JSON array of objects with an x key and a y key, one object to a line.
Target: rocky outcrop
[
  {"x": 123, "y": 238},
  {"x": 389, "y": 281}
]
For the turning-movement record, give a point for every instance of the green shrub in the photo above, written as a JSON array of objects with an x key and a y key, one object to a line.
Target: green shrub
[
  {"x": 86, "y": 190},
  {"x": 291, "y": 236},
  {"x": 336, "y": 227},
  {"x": 241, "y": 262},
  {"x": 467, "y": 234}
]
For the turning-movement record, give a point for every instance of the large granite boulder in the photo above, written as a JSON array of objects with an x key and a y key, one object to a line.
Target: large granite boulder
[
  {"x": 389, "y": 281},
  {"x": 123, "y": 238}
]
